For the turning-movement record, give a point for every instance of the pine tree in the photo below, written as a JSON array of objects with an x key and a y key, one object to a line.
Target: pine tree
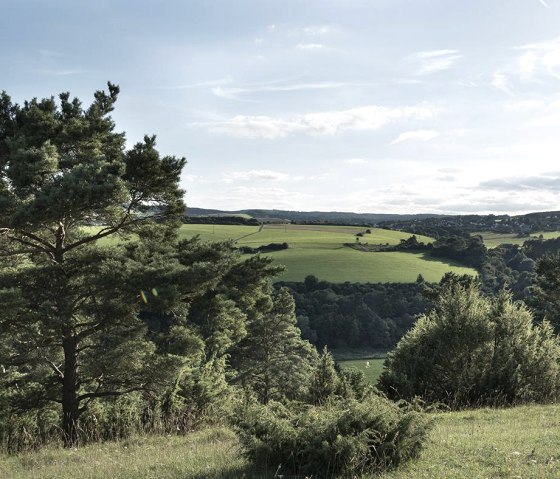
[
  {"x": 70, "y": 306},
  {"x": 325, "y": 381},
  {"x": 273, "y": 359}
]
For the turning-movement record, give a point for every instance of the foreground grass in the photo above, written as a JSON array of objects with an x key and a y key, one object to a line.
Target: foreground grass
[
  {"x": 209, "y": 454},
  {"x": 522, "y": 442}
]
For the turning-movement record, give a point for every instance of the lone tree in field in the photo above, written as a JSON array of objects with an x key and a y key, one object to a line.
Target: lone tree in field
[{"x": 69, "y": 306}]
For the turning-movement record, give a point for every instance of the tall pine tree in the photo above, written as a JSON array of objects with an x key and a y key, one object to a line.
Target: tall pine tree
[{"x": 70, "y": 306}]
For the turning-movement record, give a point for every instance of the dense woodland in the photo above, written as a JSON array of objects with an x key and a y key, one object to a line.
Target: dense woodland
[{"x": 143, "y": 333}]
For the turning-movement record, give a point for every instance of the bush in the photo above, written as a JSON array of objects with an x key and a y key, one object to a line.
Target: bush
[
  {"x": 470, "y": 350},
  {"x": 335, "y": 438}
]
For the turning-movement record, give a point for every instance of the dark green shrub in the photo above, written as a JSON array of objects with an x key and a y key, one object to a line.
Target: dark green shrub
[
  {"x": 335, "y": 438},
  {"x": 471, "y": 350}
]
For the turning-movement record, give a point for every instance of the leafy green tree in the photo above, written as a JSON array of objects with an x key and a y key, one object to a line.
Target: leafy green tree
[
  {"x": 325, "y": 380},
  {"x": 472, "y": 350},
  {"x": 70, "y": 306},
  {"x": 273, "y": 359},
  {"x": 545, "y": 297}
]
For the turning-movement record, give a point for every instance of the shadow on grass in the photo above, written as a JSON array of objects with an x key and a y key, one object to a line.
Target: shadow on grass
[{"x": 428, "y": 257}]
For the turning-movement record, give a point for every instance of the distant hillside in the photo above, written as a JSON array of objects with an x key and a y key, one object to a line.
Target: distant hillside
[
  {"x": 330, "y": 217},
  {"x": 463, "y": 225}
]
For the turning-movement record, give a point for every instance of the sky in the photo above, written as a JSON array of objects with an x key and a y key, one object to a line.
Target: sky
[{"x": 378, "y": 106}]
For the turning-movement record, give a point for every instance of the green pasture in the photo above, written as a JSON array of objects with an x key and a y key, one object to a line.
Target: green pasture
[
  {"x": 371, "y": 367},
  {"x": 345, "y": 264},
  {"x": 519, "y": 442},
  {"x": 320, "y": 250},
  {"x": 216, "y": 232},
  {"x": 493, "y": 240}
]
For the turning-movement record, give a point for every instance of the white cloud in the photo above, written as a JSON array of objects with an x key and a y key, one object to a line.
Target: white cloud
[
  {"x": 366, "y": 118},
  {"x": 422, "y": 135},
  {"x": 201, "y": 84},
  {"x": 47, "y": 53},
  {"x": 60, "y": 72},
  {"x": 545, "y": 121},
  {"x": 279, "y": 198},
  {"x": 235, "y": 92},
  {"x": 500, "y": 81},
  {"x": 258, "y": 175},
  {"x": 436, "y": 53},
  {"x": 527, "y": 63},
  {"x": 544, "y": 182},
  {"x": 315, "y": 31},
  {"x": 356, "y": 161},
  {"x": 310, "y": 46},
  {"x": 525, "y": 105},
  {"x": 434, "y": 60},
  {"x": 540, "y": 56}
]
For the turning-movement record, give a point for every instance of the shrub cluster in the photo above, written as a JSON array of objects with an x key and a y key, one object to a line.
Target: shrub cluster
[
  {"x": 470, "y": 350},
  {"x": 338, "y": 437}
]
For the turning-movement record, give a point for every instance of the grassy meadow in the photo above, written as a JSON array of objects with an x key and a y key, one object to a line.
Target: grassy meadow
[
  {"x": 368, "y": 361},
  {"x": 371, "y": 367},
  {"x": 320, "y": 250},
  {"x": 493, "y": 240},
  {"x": 521, "y": 442}
]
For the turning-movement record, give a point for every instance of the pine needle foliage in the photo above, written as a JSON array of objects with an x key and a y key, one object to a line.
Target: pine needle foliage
[
  {"x": 336, "y": 438},
  {"x": 471, "y": 350}
]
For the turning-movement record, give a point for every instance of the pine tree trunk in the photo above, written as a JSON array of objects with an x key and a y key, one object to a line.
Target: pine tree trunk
[{"x": 70, "y": 405}]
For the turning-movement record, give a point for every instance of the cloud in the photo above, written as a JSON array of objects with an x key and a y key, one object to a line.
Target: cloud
[
  {"x": 61, "y": 72},
  {"x": 47, "y": 53},
  {"x": 544, "y": 121},
  {"x": 544, "y": 182},
  {"x": 540, "y": 57},
  {"x": 527, "y": 64},
  {"x": 366, "y": 118},
  {"x": 356, "y": 161},
  {"x": 234, "y": 92},
  {"x": 278, "y": 198},
  {"x": 500, "y": 81},
  {"x": 434, "y": 60},
  {"x": 315, "y": 31},
  {"x": 258, "y": 175},
  {"x": 310, "y": 46},
  {"x": 525, "y": 105},
  {"x": 422, "y": 135},
  {"x": 486, "y": 205},
  {"x": 201, "y": 84}
]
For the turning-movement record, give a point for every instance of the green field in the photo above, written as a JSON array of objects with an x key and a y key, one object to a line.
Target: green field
[
  {"x": 319, "y": 250},
  {"x": 521, "y": 442},
  {"x": 371, "y": 368},
  {"x": 492, "y": 240},
  {"x": 370, "y": 362}
]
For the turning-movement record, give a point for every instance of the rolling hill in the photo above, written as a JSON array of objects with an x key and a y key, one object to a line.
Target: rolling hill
[{"x": 319, "y": 250}]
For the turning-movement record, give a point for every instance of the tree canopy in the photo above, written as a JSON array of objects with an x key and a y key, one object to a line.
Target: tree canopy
[
  {"x": 472, "y": 350},
  {"x": 70, "y": 305}
]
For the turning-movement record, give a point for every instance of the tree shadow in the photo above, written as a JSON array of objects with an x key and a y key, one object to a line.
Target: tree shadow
[{"x": 449, "y": 262}]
